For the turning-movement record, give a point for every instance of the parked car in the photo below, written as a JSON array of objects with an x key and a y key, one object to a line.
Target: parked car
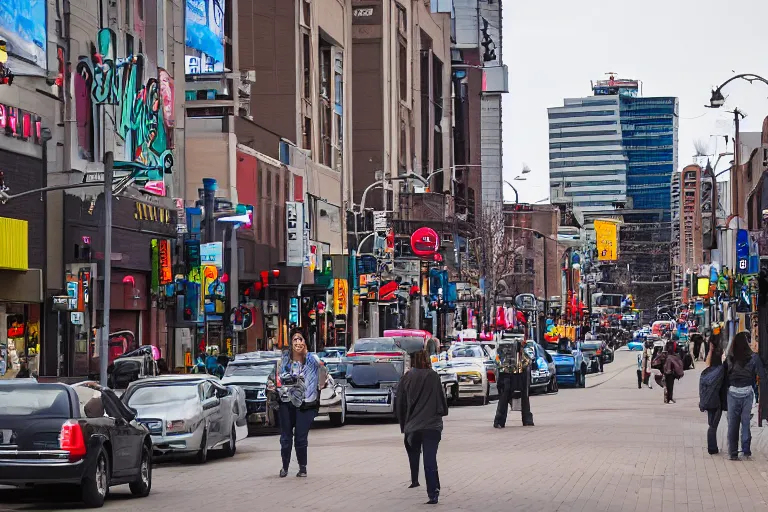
[
  {"x": 52, "y": 433},
  {"x": 594, "y": 351},
  {"x": 480, "y": 352},
  {"x": 413, "y": 340},
  {"x": 570, "y": 366},
  {"x": 543, "y": 369},
  {"x": 130, "y": 367},
  {"x": 188, "y": 414},
  {"x": 250, "y": 372},
  {"x": 332, "y": 353},
  {"x": 370, "y": 385}
]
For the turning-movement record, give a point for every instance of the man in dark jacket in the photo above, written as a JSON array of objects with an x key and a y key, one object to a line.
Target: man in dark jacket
[{"x": 513, "y": 382}]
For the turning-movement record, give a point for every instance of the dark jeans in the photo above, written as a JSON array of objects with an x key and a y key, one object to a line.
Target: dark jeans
[
  {"x": 509, "y": 383},
  {"x": 739, "y": 410},
  {"x": 713, "y": 420},
  {"x": 639, "y": 379},
  {"x": 669, "y": 381},
  {"x": 294, "y": 430},
  {"x": 428, "y": 440}
]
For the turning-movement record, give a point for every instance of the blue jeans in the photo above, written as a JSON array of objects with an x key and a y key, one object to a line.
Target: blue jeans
[
  {"x": 428, "y": 440},
  {"x": 739, "y": 409},
  {"x": 294, "y": 430}
]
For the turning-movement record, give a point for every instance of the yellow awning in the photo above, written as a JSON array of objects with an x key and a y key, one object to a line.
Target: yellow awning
[{"x": 14, "y": 244}]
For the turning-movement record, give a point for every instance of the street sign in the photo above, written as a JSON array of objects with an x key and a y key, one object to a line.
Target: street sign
[
  {"x": 380, "y": 222},
  {"x": 93, "y": 177}
]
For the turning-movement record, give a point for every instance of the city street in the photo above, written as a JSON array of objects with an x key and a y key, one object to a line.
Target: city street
[{"x": 608, "y": 447}]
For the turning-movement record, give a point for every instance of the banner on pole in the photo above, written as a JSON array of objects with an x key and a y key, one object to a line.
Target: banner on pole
[{"x": 606, "y": 233}]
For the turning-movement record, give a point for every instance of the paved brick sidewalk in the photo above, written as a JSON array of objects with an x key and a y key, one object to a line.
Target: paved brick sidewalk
[{"x": 611, "y": 447}]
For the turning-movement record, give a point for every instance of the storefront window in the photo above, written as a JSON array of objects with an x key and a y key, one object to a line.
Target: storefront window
[{"x": 20, "y": 343}]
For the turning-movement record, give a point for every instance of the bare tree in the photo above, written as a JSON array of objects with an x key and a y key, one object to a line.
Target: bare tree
[
  {"x": 701, "y": 148},
  {"x": 495, "y": 250}
]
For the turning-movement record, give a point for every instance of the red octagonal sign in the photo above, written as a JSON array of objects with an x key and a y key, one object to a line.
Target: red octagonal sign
[{"x": 425, "y": 242}]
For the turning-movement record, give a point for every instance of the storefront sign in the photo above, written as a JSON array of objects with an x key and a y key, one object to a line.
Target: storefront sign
[
  {"x": 181, "y": 216},
  {"x": 294, "y": 221},
  {"x": 152, "y": 213},
  {"x": 14, "y": 250},
  {"x": 20, "y": 124},
  {"x": 155, "y": 278},
  {"x": 425, "y": 242},
  {"x": 211, "y": 254},
  {"x": 165, "y": 267},
  {"x": 340, "y": 294},
  {"x": 293, "y": 312}
]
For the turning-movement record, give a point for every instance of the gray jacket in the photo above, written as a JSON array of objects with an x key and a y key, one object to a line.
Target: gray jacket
[{"x": 420, "y": 401}]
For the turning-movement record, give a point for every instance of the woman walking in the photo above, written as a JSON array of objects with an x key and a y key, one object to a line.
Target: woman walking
[
  {"x": 713, "y": 389},
  {"x": 420, "y": 405},
  {"x": 298, "y": 398},
  {"x": 743, "y": 368},
  {"x": 672, "y": 370}
]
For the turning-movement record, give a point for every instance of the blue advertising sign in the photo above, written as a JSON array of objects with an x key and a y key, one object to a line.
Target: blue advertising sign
[
  {"x": 204, "y": 37},
  {"x": 742, "y": 251},
  {"x": 23, "y": 26},
  {"x": 211, "y": 254},
  {"x": 293, "y": 313}
]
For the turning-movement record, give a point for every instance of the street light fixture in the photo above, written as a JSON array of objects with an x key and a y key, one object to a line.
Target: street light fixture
[{"x": 717, "y": 99}]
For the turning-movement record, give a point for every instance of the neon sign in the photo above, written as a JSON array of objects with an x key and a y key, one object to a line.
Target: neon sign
[{"x": 20, "y": 124}]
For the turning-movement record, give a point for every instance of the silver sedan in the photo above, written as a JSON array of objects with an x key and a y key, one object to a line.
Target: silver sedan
[{"x": 188, "y": 415}]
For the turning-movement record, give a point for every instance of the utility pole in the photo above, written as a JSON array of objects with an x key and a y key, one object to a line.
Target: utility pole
[
  {"x": 109, "y": 161},
  {"x": 735, "y": 207}
]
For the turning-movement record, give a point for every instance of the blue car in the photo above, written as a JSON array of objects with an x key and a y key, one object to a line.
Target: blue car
[
  {"x": 570, "y": 367},
  {"x": 636, "y": 345}
]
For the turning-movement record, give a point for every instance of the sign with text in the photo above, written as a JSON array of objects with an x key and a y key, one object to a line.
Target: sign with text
[
  {"x": 340, "y": 294},
  {"x": 606, "y": 233},
  {"x": 165, "y": 263},
  {"x": 212, "y": 254},
  {"x": 294, "y": 222}
]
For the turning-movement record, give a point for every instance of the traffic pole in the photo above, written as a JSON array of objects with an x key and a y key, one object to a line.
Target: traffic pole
[{"x": 104, "y": 345}]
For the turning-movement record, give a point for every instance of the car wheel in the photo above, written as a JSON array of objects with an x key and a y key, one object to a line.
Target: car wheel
[
  {"x": 202, "y": 453},
  {"x": 95, "y": 485},
  {"x": 143, "y": 484},
  {"x": 231, "y": 447},
  {"x": 583, "y": 377}
]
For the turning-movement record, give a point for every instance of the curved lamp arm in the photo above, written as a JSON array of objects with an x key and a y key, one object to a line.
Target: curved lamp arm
[{"x": 717, "y": 100}]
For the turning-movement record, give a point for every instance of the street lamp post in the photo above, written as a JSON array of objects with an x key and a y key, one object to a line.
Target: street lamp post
[
  {"x": 717, "y": 100},
  {"x": 519, "y": 177}
]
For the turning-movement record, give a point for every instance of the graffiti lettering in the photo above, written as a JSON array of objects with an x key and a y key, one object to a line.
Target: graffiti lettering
[{"x": 145, "y": 114}]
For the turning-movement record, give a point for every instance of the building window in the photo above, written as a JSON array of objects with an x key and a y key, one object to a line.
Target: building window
[
  {"x": 307, "y": 62},
  {"x": 325, "y": 81},
  {"x": 437, "y": 105},
  {"x": 338, "y": 111},
  {"x": 402, "y": 51},
  {"x": 306, "y": 136},
  {"x": 426, "y": 125}
]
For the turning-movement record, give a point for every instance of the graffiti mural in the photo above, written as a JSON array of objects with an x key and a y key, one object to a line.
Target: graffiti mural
[{"x": 144, "y": 115}]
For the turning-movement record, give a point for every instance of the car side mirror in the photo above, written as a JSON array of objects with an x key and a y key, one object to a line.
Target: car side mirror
[{"x": 211, "y": 403}]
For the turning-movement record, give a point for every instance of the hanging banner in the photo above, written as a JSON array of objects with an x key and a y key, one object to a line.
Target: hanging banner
[
  {"x": 340, "y": 294},
  {"x": 294, "y": 222},
  {"x": 606, "y": 233},
  {"x": 212, "y": 254},
  {"x": 155, "y": 283},
  {"x": 166, "y": 270},
  {"x": 742, "y": 250}
]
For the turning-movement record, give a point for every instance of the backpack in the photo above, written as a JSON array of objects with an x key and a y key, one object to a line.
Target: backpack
[{"x": 710, "y": 385}]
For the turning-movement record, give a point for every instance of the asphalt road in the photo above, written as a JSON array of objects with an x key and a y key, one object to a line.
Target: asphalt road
[{"x": 610, "y": 447}]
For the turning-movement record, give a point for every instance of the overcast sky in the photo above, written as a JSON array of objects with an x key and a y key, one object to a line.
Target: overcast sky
[{"x": 682, "y": 48}]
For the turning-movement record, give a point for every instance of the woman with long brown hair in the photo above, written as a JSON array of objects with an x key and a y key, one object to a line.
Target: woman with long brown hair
[
  {"x": 298, "y": 392},
  {"x": 743, "y": 368},
  {"x": 420, "y": 405}
]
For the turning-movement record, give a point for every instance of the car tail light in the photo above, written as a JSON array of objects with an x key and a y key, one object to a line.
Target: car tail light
[
  {"x": 491, "y": 376},
  {"x": 71, "y": 440}
]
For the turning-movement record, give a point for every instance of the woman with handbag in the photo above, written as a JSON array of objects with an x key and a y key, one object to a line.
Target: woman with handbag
[
  {"x": 301, "y": 376},
  {"x": 713, "y": 391}
]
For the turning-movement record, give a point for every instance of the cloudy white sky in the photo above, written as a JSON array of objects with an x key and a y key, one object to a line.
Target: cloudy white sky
[{"x": 682, "y": 48}]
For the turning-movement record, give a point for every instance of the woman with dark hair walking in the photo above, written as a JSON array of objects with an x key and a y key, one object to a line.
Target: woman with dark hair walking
[
  {"x": 420, "y": 405},
  {"x": 713, "y": 391},
  {"x": 743, "y": 368},
  {"x": 298, "y": 396}
]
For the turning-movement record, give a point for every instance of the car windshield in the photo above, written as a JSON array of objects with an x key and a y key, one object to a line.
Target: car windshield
[
  {"x": 466, "y": 351},
  {"x": 375, "y": 345},
  {"x": 161, "y": 394},
  {"x": 260, "y": 369},
  {"x": 332, "y": 352},
  {"x": 410, "y": 344},
  {"x": 34, "y": 401},
  {"x": 373, "y": 373}
]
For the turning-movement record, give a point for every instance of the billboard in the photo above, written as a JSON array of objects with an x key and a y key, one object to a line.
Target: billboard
[
  {"x": 204, "y": 37},
  {"x": 606, "y": 234},
  {"x": 23, "y": 26}
]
